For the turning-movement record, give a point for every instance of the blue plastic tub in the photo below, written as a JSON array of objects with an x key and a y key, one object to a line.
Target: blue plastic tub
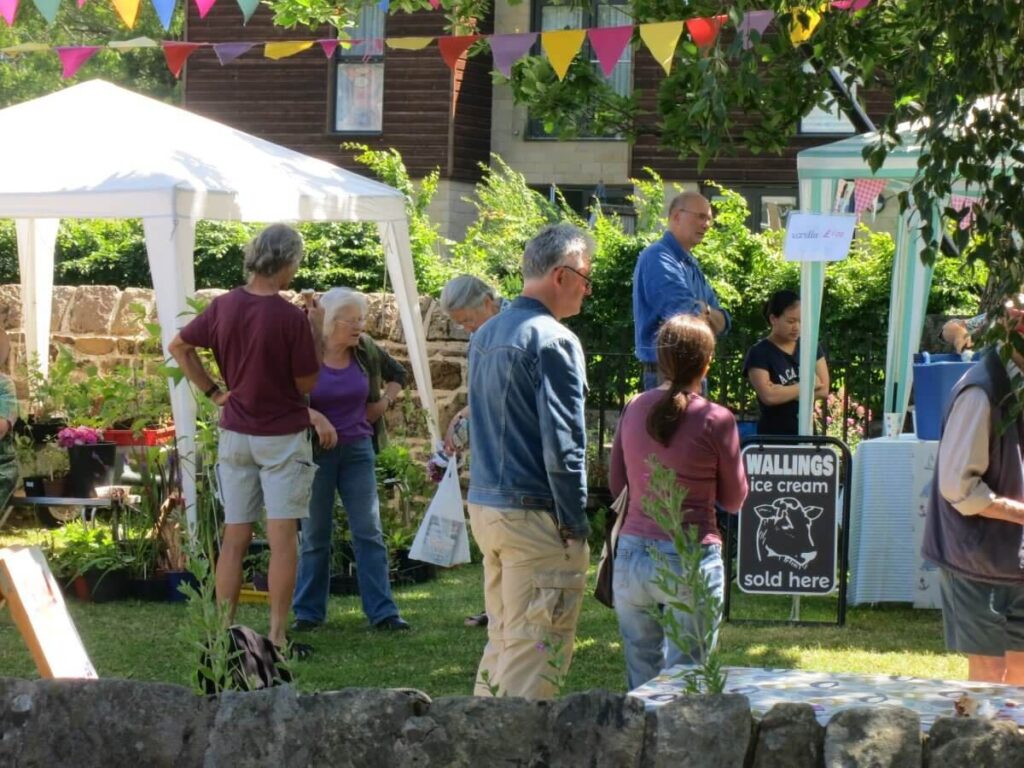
[{"x": 934, "y": 379}]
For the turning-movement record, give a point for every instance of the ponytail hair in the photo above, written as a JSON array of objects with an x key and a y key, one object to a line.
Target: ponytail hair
[
  {"x": 778, "y": 303},
  {"x": 685, "y": 345}
]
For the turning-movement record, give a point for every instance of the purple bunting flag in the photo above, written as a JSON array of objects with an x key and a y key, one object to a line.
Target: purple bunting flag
[
  {"x": 754, "y": 21},
  {"x": 329, "y": 46},
  {"x": 609, "y": 43},
  {"x": 508, "y": 49},
  {"x": 228, "y": 52}
]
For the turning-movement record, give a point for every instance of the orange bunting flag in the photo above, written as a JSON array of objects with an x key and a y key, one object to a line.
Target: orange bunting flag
[
  {"x": 287, "y": 48},
  {"x": 561, "y": 48},
  {"x": 452, "y": 48},
  {"x": 661, "y": 40},
  {"x": 705, "y": 30},
  {"x": 805, "y": 21},
  {"x": 176, "y": 53},
  {"x": 408, "y": 43},
  {"x": 128, "y": 10},
  {"x": 72, "y": 58}
]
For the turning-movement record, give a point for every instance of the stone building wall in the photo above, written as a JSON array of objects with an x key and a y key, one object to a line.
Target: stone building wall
[{"x": 100, "y": 324}]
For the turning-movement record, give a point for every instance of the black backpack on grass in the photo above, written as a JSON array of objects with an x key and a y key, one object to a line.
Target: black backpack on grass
[{"x": 253, "y": 663}]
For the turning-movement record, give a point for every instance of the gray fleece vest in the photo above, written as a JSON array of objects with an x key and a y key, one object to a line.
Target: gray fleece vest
[{"x": 971, "y": 545}]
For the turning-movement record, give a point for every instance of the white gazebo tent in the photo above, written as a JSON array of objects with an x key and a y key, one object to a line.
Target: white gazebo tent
[
  {"x": 98, "y": 151},
  {"x": 819, "y": 170}
]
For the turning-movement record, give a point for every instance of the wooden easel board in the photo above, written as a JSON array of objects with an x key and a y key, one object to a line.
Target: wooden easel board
[{"x": 38, "y": 609}]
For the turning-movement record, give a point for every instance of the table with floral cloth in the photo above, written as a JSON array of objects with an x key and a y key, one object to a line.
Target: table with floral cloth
[{"x": 832, "y": 692}]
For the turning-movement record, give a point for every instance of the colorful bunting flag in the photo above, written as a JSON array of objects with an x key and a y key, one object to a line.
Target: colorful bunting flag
[
  {"x": 805, "y": 21},
  {"x": 958, "y": 203},
  {"x": 409, "y": 43},
  {"x": 81, "y": 3},
  {"x": 228, "y": 52},
  {"x": 865, "y": 192},
  {"x": 176, "y": 54},
  {"x": 72, "y": 58},
  {"x": 48, "y": 9},
  {"x": 661, "y": 39},
  {"x": 204, "y": 7},
  {"x": 248, "y": 8},
  {"x": 608, "y": 44},
  {"x": 561, "y": 48},
  {"x": 135, "y": 42},
  {"x": 704, "y": 30},
  {"x": 329, "y": 47},
  {"x": 8, "y": 10},
  {"x": 25, "y": 48},
  {"x": 435, "y": 4},
  {"x": 851, "y": 5},
  {"x": 453, "y": 47},
  {"x": 128, "y": 10},
  {"x": 285, "y": 49},
  {"x": 508, "y": 49},
  {"x": 754, "y": 21},
  {"x": 384, "y": 5},
  {"x": 164, "y": 11}
]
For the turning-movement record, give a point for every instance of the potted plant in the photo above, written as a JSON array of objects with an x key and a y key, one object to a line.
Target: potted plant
[
  {"x": 90, "y": 458},
  {"x": 92, "y": 561},
  {"x": 344, "y": 578},
  {"x": 256, "y": 565},
  {"x": 403, "y": 569}
]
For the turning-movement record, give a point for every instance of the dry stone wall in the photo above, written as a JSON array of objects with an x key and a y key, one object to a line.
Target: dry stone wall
[{"x": 101, "y": 324}]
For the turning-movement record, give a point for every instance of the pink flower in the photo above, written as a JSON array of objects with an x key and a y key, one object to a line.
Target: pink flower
[{"x": 70, "y": 436}]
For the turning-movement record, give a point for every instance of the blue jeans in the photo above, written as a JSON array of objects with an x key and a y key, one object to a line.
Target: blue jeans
[
  {"x": 349, "y": 470},
  {"x": 638, "y": 598}
]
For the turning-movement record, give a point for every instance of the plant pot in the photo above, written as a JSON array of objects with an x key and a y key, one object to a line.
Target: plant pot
[
  {"x": 344, "y": 585},
  {"x": 411, "y": 571},
  {"x": 35, "y": 485},
  {"x": 96, "y": 586},
  {"x": 91, "y": 465},
  {"x": 260, "y": 581},
  {"x": 148, "y": 436},
  {"x": 153, "y": 589},
  {"x": 55, "y": 487},
  {"x": 174, "y": 580},
  {"x": 44, "y": 431}
]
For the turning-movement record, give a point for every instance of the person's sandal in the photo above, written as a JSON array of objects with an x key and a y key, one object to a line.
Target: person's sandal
[
  {"x": 477, "y": 620},
  {"x": 294, "y": 651}
]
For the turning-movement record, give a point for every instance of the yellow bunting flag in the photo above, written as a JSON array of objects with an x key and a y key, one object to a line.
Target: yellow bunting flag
[
  {"x": 135, "y": 42},
  {"x": 286, "y": 49},
  {"x": 661, "y": 39},
  {"x": 562, "y": 47},
  {"x": 25, "y": 48},
  {"x": 805, "y": 21},
  {"x": 128, "y": 10},
  {"x": 408, "y": 43}
]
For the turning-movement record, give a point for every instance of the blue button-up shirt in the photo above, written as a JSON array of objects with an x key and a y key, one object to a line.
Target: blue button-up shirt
[
  {"x": 528, "y": 382},
  {"x": 667, "y": 281}
]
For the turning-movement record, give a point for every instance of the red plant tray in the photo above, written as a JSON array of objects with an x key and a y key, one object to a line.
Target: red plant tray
[{"x": 150, "y": 436}]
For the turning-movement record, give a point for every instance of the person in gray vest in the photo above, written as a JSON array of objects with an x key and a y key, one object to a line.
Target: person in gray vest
[{"x": 974, "y": 522}]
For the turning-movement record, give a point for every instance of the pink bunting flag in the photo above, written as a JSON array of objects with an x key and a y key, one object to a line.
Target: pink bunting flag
[
  {"x": 435, "y": 4},
  {"x": 228, "y": 52},
  {"x": 8, "y": 10},
  {"x": 958, "y": 203},
  {"x": 754, "y": 21},
  {"x": 850, "y": 5},
  {"x": 609, "y": 43},
  {"x": 454, "y": 46},
  {"x": 704, "y": 30},
  {"x": 508, "y": 49},
  {"x": 865, "y": 192},
  {"x": 81, "y": 3},
  {"x": 72, "y": 58},
  {"x": 329, "y": 47},
  {"x": 204, "y": 7},
  {"x": 177, "y": 53}
]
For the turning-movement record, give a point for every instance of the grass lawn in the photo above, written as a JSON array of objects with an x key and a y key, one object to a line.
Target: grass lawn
[{"x": 146, "y": 641}]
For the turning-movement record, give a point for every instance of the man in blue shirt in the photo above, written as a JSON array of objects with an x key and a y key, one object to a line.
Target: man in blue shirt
[
  {"x": 528, "y": 480},
  {"x": 668, "y": 281}
]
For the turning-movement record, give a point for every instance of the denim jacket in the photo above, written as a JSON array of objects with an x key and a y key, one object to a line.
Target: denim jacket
[{"x": 529, "y": 383}]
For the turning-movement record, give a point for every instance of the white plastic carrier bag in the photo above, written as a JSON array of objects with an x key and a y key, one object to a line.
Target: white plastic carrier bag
[{"x": 442, "y": 538}]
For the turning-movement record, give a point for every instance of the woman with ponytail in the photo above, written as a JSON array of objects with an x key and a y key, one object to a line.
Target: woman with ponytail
[
  {"x": 773, "y": 367},
  {"x": 698, "y": 440}
]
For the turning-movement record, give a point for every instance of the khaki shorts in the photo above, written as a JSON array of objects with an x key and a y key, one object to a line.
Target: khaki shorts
[
  {"x": 257, "y": 471},
  {"x": 980, "y": 618}
]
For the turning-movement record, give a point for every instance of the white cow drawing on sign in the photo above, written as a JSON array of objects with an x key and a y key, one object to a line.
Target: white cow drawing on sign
[{"x": 784, "y": 532}]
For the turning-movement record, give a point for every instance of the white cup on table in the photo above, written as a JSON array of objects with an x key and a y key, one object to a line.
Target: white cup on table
[{"x": 892, "y": 424}]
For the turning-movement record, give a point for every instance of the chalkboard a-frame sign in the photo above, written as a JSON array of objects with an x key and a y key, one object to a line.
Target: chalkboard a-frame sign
[{"x": 788, "y": 525}]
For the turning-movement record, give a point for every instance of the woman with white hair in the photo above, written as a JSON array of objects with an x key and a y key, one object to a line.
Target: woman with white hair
[
  {"x": 8, "y": 415},
  {"x": 358, "y": 382}
]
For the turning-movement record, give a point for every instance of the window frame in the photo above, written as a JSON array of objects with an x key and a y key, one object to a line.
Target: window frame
[{"x": 369, "y": 52}]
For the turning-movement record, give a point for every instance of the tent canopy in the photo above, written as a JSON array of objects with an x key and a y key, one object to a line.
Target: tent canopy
[
  {"x": 819, "y": 170},
  {"x": 98, "y": 151}
]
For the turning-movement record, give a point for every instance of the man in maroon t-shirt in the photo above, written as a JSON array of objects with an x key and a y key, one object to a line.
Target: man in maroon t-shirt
[{"x": 264, "y": 348}]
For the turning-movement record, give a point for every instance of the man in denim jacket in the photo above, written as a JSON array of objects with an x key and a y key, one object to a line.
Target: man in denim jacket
[{"x": 528, "y": 486}]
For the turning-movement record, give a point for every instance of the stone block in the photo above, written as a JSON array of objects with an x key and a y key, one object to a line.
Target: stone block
[
  {"x": 873, "y": 737},
  {"x": 689, "y": 731},
  {"x": 597, "y": 728},
  {"x": 93, "y": 308},
  {"x": 10, "y": 307},
  {"x": 95, "y": 345},
  {"x": 954, "y": 742},
  {"x": 63, "y": 296},
  {"x": 445, "y": 374},
  {"x": 131, "y": 315},
  {"x": 126, "y": 346},
  {"x": 789, "y": 736}
]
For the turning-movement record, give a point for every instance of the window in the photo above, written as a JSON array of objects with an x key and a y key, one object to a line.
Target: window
[
  {"x": 769, "y": 206},
  {"x": 359, "y": 78},
  {"x": 548, "y": 17},
  {"x": 614, "y": 199},
  {"x": 826, "y": 121}
]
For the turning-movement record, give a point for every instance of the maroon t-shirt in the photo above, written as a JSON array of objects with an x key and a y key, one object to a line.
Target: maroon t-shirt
[{"x": 262, "y": 344}]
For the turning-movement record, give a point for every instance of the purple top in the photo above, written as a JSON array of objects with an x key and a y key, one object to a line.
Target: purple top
[
  {"x": 340, "y": 394},
  {"x": 704, "y": 452}
]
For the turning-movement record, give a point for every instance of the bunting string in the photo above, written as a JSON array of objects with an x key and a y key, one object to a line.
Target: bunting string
[{"x": 560, "y": 46}]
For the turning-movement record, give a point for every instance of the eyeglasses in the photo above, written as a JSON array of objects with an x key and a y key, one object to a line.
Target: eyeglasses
[
  {"x": 586, "y": 278},
  {"x": 360, "y": 323},
  {"x": 705, "y": 217}
]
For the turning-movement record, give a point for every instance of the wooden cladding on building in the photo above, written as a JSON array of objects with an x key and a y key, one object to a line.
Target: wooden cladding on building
[{"x": 434, "y": 118}]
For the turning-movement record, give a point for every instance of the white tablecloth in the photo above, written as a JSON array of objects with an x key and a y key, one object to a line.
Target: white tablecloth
[{"x": 892, "y": 479}]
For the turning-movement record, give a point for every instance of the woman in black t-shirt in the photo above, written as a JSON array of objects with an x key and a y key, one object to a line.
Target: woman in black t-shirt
[{"x": 773, "y": 367}]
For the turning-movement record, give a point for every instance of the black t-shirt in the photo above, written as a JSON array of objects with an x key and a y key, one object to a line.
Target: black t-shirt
[{"x": 783, "y": 368}]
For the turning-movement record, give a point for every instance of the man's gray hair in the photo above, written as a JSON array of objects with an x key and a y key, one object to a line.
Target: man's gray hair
[
  {"x": 465, "y": 292},
  {"x": 337, "y": 299},
  {"x": 552, "y": 246},
  {"x": 276, "y": 247}
]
